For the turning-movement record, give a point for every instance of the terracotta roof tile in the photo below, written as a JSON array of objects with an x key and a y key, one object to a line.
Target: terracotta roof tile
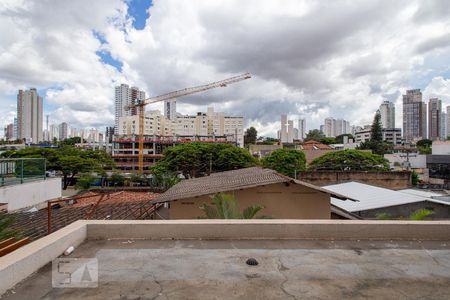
[{"x": 229, "y": 181}]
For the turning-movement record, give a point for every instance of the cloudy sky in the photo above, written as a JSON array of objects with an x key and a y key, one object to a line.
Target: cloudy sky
[{"x": 309, "y": 59}]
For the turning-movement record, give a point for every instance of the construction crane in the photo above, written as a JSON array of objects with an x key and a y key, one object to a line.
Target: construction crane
[{"x": 140, "y": 106}]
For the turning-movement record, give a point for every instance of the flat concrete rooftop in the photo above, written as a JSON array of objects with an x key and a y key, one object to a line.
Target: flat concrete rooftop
[{"x": 288, "y": 269}]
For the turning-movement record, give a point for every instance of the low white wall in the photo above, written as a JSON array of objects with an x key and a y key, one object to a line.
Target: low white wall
[
  {"x": 23, "y": 262},
  {"x": 30, "y": 193},
  {"x": 441, "y": 148},
  {"x": 417, "y": 161}
]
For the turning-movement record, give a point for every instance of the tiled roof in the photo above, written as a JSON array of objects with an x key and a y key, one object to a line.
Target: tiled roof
[
  {"x": 314, "y": 145},
  {"x": 230, "y": 181},
  {"x": 91, "y": 198}
]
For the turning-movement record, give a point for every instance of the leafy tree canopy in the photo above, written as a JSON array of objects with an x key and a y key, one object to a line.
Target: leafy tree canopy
[
  {"x": 69, "y": 160},
  {"x": 250, "y": 136},
  {"x": 285, "y": 161},
  {"x": 198, "y": 159},
  {"x": 328, "y": 140},
  {"x": 267, "y": 141},
  {"x": 346, "y": 160},
  {"x": 315, "y": 135}
]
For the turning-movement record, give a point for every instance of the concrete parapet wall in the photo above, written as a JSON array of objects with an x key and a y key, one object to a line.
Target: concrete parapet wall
[
  {"x": 270, "y": 229},
  {"x": 21, "y": 263},
  {"x": 390, "y": 179}
]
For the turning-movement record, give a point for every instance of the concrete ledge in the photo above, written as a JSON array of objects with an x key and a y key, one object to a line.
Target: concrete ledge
[
  {"x": 270, "y": 229},
  {"x": 26, "y": 260}
]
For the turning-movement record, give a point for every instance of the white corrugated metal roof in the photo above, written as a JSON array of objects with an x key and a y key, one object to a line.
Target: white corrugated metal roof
[
  {"x": 420, "y": 193},
  {"x": 371, "y": 197}
]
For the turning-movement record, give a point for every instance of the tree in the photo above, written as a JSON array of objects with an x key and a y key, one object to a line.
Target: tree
[
  {"x": 267, "y": 141},
  {"x": 346, "y": 160},
  {"x": 85, "y": 181},
  {"x": 376, "y": 143},
  {"x": 424, "y": 146},
  {"x": 250, "y": 136},
  {"x": 70, "y": 141},
  {"x": 376, "y": 131},
  {"x": 315, "y": 135},
  {"x": 69, "y": 160},
  {"x": 226, "y": 207},
  {"x": 285, "y": 161},
  {"x": 199, "y": 159},
  {"x": 117, "y": 179},
  {"x": 340, "y": 138},
  {"x": 328, "y": 140}
]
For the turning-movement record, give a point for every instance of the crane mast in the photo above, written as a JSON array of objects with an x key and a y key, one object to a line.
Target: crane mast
[{"x": 175, "y": 94}]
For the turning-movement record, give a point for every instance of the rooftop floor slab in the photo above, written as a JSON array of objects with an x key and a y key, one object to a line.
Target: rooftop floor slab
[{"x": 287, "y": 269}]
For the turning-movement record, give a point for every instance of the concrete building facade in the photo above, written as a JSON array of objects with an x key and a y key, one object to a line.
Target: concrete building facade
[
  {"x": 444, "y": 126},
  {"x": 211, "y": 124},
  {"x": 334, "y": 127},
  {"x": 414, "y": 116},
  {"x": 301, "y": 129},
  {"x": 387, "y": 113},
  {"x": 434, "y": 118},
  {"x": 282, "y": 197},
  {"x": 9, "y": 132},
  {"x": 154, "y": 124},
  {"x": 29, "y": 116},
  {"x": 63, "y": 130},
  {"x": 390, "y": 135},
  {"x": 124, "y": 95}
]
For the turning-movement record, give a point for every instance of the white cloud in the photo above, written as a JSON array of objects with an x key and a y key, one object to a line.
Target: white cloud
[{"x": 309, "y": 59}]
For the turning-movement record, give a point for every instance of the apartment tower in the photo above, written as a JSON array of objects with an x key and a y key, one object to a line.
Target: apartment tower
[
  {"x": 414, "y": 116},
  {"x": 29, "y": 116},
  {"x": 124, "y": 96},
  {"x": 434, "y": 118},
  {"x": 387, "y": 113}
]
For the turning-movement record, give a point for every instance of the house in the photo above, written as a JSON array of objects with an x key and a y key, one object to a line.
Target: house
[
  {"x": 281, "y": 196},
  {"x": 374, "y": 200}
]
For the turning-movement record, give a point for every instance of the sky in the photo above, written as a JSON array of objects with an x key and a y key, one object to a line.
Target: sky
[{"x": 308, "y": 59}]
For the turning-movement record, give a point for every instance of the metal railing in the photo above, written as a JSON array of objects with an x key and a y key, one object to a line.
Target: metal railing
[{"x": 19, "y": 170}]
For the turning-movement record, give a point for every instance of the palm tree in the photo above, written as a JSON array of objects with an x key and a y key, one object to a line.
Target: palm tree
[{"x": 226, "y": 207}]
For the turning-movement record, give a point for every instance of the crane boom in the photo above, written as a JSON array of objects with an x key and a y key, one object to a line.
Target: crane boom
[{"x": 172, "y": 95}]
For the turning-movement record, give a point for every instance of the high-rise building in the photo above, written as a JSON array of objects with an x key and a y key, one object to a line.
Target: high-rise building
[
  {"x": 15, "y": 134},
  {"x": 9, "y": 132},
  {"x": 283, "y": 130},
  {"x": 448, "y": 122},
  {"x": 290, "y": 133},
  {"x": 63, "y": 130},
  {"x": 334, "y": 127},
  {"x": 124, "y": 96},
  {"x": 29, "y": 116},
  {"x": 444, "y": 128},
  {"x": 53, "y": 132},
  {"x": 414, "y": 116},
  {"x": 170, "y": 109},
  {"x": 434, "y": 118},
  {"x": 301, "y": 129},
  {"x": 387, "y": 113}
]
